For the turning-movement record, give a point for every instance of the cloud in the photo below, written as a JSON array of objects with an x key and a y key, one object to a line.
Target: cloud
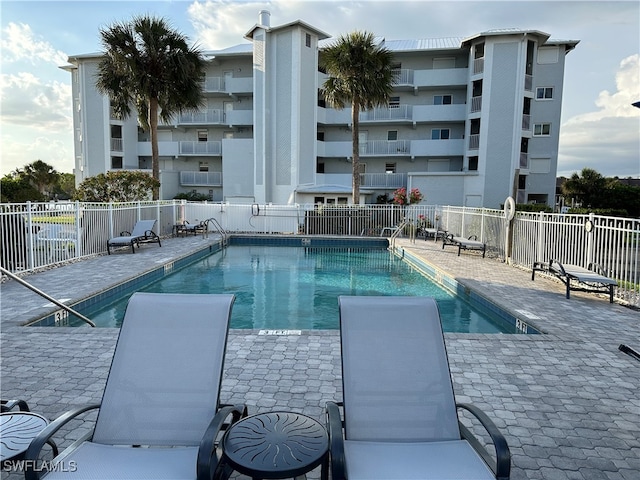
[
  {"x": 27, "y": 101},
  {"x": 20, "y": 43},
  {"x": 613, "y": 131},
  {"x": 54, "y": 149}
]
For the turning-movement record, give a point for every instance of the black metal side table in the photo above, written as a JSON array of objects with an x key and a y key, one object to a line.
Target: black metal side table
[{"x": 276, "y": 445}]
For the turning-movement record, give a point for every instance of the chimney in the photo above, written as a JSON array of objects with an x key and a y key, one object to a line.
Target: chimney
[{"x": 264, "y": 18}]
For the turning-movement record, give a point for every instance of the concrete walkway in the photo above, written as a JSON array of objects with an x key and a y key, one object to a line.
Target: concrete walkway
[{"x": 567, "y": 401}]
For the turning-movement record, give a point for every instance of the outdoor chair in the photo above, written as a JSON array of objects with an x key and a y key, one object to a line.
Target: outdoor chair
[
  {"x": 399, "y": 416},
  {"x": 160, "y": 415},
  {"x": 142, "y": 233},
  {"x": 470, "y": 243},
  {"x": 593, "y": 279},
  {"x": 58, "y": 241}
]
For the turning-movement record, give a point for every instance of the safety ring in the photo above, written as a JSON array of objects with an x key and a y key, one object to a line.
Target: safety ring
[{"x": 509, "y": 208}]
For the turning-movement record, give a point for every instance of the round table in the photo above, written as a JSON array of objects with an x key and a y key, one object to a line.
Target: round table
[
  {"x": 17, "y": 430},
  {"x": 276, "y": 445}
]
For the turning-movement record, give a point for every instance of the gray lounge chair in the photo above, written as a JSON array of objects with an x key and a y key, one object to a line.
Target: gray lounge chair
[
  {"x": 470, "y": 243},
  {"x": 162, "y": 391},
  {"x": 142, "y": 233},
  {"x": 593, "y": 279},
  {"x": 400, "y": 415}
]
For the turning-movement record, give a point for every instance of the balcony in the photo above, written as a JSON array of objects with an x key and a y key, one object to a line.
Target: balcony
[
  {"x": 228, "y": 86},
  {"x": 476, "y": 104},
  {"x": 199, "y": 148},
  {"x": 367, "y": 180},
  {"x": 116, "y": 145},
  {"x": 395, "y": 148},
  {"x": 216, "y": 116},
  {"x": 402, "y": 113},
  {"x": 201, "y": 179},
  {"x": 526, "y": 122}
]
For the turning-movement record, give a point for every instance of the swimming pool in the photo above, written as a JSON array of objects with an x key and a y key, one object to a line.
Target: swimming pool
[{"x": 296, "y": 288}]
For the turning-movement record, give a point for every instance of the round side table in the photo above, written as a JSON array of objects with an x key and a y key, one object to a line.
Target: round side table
[
  {"x": 276, "y": 445},
  {"x": 17, "y": 430}
]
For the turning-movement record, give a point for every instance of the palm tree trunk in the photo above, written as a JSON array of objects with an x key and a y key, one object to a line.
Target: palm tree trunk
[
  {"x": 355, "y": 154},
  {"x": 155, "y": 161}
]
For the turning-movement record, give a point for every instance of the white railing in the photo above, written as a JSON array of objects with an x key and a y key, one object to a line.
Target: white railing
[
  {"x": 199, "y": 148},
  {"x": 403, "y": 76},
  {"x": 37, "y": 235},
  {"x": 476, "y": 103},
  {"x": 474, "y": 142},
  {"x": 212, "y": 115},
  {"x": 385, "y": 147},
  {"x": 203, "y": 179},
  {"x": 401, "y": 112},
  {"x": 116, "y": 145}
]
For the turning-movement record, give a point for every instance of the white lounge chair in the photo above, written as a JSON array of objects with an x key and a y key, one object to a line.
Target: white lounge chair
[
  {"x": 470, "y": 243},
  {"x": 160, "y": 415},
  {"x": 593, "y": 279},
  {"x": 142, "y": 233},
  {"x": 399, "y": 412}
]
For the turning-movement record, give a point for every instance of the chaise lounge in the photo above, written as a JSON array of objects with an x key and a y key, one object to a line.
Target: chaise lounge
[
  {"x": 593, "y": 279},
  {"x": 400, "y": 419},
  {"x": 142, "y": 233},
  {"x": 470, "y": 243}
]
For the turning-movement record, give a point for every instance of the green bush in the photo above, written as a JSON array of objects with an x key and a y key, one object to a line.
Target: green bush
[{"x": 192, "y": 197}]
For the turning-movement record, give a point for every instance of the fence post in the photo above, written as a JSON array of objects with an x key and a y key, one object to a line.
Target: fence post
[
  {"x": 79, "y": 243},
  {"x": 110, "y": 210},
  {"x": 590, "y": 240},
  {"x": 540, "y": 240},
  {"x": 31, "y": 264}
]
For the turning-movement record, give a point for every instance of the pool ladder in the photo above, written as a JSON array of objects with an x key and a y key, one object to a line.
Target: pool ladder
[
  {"x": 216, "y": 225},
  {"x": 397, "y": 231}
]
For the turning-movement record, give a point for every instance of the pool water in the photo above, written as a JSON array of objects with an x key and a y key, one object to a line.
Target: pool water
[{"x": 293, "y": 288}]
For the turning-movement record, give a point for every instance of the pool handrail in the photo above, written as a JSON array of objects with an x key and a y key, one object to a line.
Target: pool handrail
[{"x": 47, "y": 297}]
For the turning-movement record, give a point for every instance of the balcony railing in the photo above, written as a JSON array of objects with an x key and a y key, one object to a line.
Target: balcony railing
[
  {"x": 383, "y": 180},
  {"x": 476, "y": 104},
  {"x": 213, "y": 115},
  {"x": 403, "y": 76},
  {"x": 385, "y": 147},
  {"x": 400, "y": 112},
  {"x": 528, "y": 83},
  {"x": 478, "y": 65},
  {"x": 526, "y": 122},
  {"x": 474, "y": 142},
  {"x": 116, "y": 145},
  {"x": 201, "y": 179},
  {"x": 524, "y": 160},
  {"x": 199, "y": 148}
]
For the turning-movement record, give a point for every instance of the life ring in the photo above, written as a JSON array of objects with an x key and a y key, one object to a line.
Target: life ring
[{"x": 509, "y": 208}]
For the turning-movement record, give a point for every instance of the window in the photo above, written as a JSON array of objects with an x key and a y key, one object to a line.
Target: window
[
  {"x": 390, "y": 168},
  {"x": 204, "y": 166},
  {"x": 203, "y": 135},
  {"x": 320, "y": 136},
  {"x": 473, "y": 163},
  {"x": 116, "y": 162},
  {"x": 522, "y": 182},
  {"x": 320, "y": 167},
  {"x": 392, "y": 135},
  {"x": 544, "y": 93},
  {"x": 394, "y": 102},
  {"x": 440, "y": 134},
  {"x": 479, "y": 51},
  {"x": 442, "y": 99},
  {"x": 307, "y": 40},
  {"x": 542, "y": 130}
]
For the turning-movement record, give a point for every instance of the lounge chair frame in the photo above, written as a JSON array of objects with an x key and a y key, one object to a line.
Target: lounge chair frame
[
  {"x": 142, "y": 233},
  {"x": 593, "y": 279},
  {"x": 499, "y": 464},
  {"x": 469, "y": 243},
  {"x": 207, "y": 461}
]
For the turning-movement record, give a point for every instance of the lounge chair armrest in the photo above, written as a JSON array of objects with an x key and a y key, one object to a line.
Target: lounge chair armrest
[
  {"x": 557, "y": 267},
  {"x": 125, "y": 233},
  {"x": 33, "y": 452},
  {"x": 472, "y": 237},
  {"x": 595, "y": 267},
  {"x": 11, "y": 404},
  {"x": 503, "y": 455},
  {"x": 208, "y": 462},
  {"x": 336, "y": 440}
]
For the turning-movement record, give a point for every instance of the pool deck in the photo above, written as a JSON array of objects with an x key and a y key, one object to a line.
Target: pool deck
[{"x": 567, "y": 401}]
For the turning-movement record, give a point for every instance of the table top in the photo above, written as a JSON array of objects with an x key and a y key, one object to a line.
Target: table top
[
  {"x": 276, "y": 445},
  {"x": 17, "y": 430}
]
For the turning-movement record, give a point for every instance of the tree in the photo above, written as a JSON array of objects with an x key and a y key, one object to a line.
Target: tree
[
  {"x": 42, "y": 176},
  {"x": 116, "y": 186},
  {"x": 360, "y": 74},
  {"x": 587, "y": 188},
  {"x": 15, "y": 188},
  {"x": 150, "y": 66}
]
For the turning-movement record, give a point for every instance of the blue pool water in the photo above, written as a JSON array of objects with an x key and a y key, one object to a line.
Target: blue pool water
[{"x": 297, "y": 288}]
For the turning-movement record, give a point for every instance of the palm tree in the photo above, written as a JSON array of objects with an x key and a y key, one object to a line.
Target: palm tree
[
  {"x": 360, "y": 73},
  {"x": 150, "y": 66},
  {"x": 42, "y": 176}
]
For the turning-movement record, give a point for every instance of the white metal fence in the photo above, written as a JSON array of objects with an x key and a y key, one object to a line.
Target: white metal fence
[{"x": 36, "y": 235}]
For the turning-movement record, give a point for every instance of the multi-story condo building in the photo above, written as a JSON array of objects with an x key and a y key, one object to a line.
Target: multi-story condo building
[{"x": 471, "y": 121}]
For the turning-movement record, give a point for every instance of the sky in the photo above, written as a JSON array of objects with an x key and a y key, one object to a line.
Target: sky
[{"x": 599, "y": 127}]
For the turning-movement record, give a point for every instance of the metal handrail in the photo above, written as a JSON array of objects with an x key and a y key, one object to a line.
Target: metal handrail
[
  {"x": 218, "y": 227},
  {"x": 44, "y": 295},
  {"x": 397, "y": 232}
]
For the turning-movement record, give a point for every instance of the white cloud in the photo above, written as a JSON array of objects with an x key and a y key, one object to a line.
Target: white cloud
[
  {"x": 27, "y": 101},
  {"x": 20, "y": 43},
  {"x": 592, "y": 139},
  {"x": 54, "y": 149}
]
